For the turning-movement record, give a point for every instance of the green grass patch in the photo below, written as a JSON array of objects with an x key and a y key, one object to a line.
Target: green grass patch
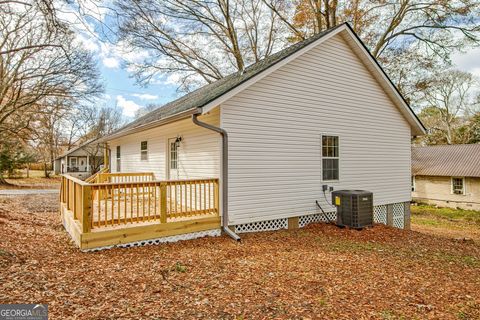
[
  {"x": 436, "y": 222},
  {"x": 469, "y": 216}
]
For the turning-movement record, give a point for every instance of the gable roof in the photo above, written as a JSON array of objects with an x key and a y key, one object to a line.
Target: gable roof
[
  {"x": 211, "y": 95},
  {"x": 461, "y": 160},
  {"x": 79, "y": 147}
]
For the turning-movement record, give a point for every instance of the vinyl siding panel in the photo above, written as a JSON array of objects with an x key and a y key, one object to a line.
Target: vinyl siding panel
[
  {"x": 198, "y": 154},
  {"x": 275, "y": 129}
]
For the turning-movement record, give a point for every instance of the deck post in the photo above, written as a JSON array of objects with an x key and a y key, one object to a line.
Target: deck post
[
  {"x": 86, "y": 208},
  {"x": 163, "y": 202},
  {"x": 62, "y": 191},
  {"x": 106, "y": 157},
  {"x": 67, "y": 190},
  {"x": 217, "y": 197}
]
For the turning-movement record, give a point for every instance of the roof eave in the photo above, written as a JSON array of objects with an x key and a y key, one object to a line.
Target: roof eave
[{"x": 175, "y": 117}]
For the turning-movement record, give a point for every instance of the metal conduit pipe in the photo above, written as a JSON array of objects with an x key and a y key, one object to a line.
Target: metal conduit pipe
[{"x": 224, "y": 134}]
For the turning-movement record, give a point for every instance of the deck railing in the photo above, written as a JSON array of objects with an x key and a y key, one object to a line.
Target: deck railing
[
  {"x": 130, "y": 198},
  {"x": 94, "y": 178}
]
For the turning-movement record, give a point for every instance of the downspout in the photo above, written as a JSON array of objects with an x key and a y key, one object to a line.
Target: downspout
[{"x": 224, "y": 134}]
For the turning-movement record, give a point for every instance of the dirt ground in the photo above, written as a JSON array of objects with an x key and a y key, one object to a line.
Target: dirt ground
[
  {"x": 32, "y": 183},
  {"x": 319, "y": 272}
]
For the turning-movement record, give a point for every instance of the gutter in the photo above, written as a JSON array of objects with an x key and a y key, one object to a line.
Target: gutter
[{"x": 224, "y": 135}]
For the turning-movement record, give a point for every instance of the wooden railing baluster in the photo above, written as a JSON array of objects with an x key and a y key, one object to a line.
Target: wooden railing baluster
[{"x": 118, "y": 200}]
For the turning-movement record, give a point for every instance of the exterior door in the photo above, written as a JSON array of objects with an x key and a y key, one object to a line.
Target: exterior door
[
  {"x": 82, "y": 164},
  {"x": 172, "y": 163}
]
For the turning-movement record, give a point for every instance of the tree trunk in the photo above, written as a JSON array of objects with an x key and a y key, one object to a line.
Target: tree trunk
[{"x": 47, "y": 174}]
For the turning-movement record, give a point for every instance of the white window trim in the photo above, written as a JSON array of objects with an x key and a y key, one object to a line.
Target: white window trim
[
  {"x": 168, "y": 158},
  {"x": 463, "y": 185},
  {"x": 118, "y": 158},
  {"x": 70, "y": 161},
  {"x": 414, "y": 184},
  {"x": 322, "y": 157},
  {"x": 143, "y": 151}
]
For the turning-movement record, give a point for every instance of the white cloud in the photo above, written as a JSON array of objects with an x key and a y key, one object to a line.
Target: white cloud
[
  {"x": 468, "y": 61},
  {"x": 111, "y": 62},
  {"x": 128, "y": 106},
  {"x": 145, "y": 96}
]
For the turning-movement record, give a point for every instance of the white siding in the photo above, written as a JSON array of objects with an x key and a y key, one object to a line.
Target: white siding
[
  {"x": 274, "y": 131},
  {"x": 198, "y": 154}
]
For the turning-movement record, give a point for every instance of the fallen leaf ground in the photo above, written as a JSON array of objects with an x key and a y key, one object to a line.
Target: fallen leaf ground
[
  {"x": 32, "y": 183},
  {"x": 319, "y": 272}
]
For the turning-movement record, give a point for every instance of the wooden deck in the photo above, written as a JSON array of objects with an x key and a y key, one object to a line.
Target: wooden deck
[{"x": 120, "y": 208}]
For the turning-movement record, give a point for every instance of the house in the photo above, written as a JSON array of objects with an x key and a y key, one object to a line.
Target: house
[
  {"x": 81, "y": 161},
  {"x": 253, "y": 150},
  {"x": 447, "y": 175}
]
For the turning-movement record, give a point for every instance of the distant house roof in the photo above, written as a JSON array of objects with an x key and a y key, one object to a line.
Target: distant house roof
[
  {"x": 210, "y": 92},
  {"x": 79, "y": 147},
  {"x": 461, "y": 160}
]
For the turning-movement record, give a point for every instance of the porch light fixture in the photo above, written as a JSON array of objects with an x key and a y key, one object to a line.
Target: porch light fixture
[{"x": 177, "y": 141}]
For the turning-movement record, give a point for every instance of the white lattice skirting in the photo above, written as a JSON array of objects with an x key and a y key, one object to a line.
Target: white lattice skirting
[
  {"x": 399, "y": 215},
  {"x": 180, "y": 237},
  {"x": 269, "y": 225},
  {"x": 318, "y": 217},
  {"x": 379, "y": 216}
]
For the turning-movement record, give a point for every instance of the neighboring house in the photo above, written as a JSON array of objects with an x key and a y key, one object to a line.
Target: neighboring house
[
  {"x": 447, "y": 175},
  {"x": 321, "y": 112},
  {"x": 81, "y": 161}
]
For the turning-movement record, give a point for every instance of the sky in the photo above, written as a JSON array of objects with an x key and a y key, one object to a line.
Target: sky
[{"x": 121, "y": 89}]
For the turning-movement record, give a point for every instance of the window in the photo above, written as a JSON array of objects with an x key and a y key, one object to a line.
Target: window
[
  {"x": 330, "y": 158},
  {"x": 118, "y": 159},
  {"x": 144, "y": 150},
  {"x": 173, "y": 155},
  {"x": 458, "y": 186}
]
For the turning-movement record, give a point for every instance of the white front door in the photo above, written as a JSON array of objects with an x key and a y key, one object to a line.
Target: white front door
[{"x": 172, "y": 159}]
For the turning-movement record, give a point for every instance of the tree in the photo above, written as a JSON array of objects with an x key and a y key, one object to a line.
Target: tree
[
  {"x": 197, "y": 41},
  {"x": 102, "y": 122},
  {"x": 38, "y": 64},
  {"x": 449, "y": 103},
  {"x": 143, "y": 111},
  {"x": 473, "y": 129},
  {"x": 13, "y": 155}
]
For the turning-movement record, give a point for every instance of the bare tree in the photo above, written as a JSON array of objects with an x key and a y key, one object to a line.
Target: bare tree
[
  {"x": 198, "y": 41},
  {"x": 450, "y": 101},
  {"x": 38, "y": 65},
  {"x": 103, "y": 122}
]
